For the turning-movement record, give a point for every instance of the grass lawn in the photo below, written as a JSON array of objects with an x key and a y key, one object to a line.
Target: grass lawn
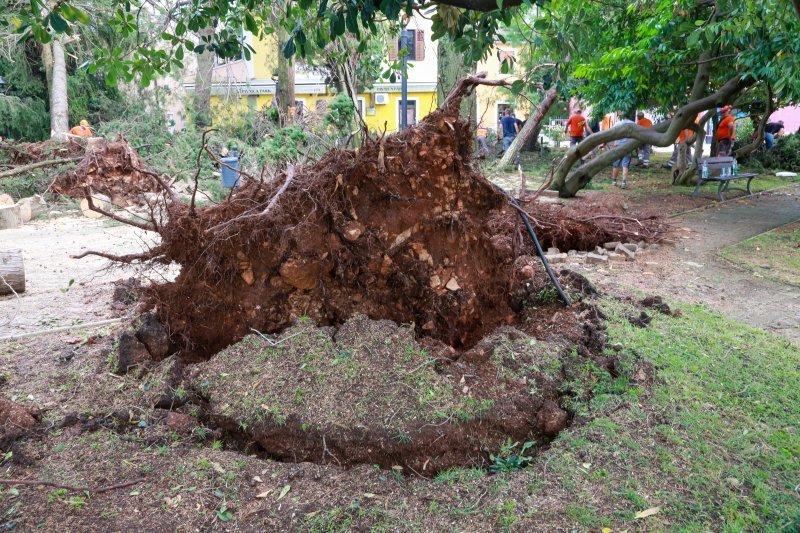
[
  {"x": 774, "y": 254},
  {"x": 715, "y": 442}
]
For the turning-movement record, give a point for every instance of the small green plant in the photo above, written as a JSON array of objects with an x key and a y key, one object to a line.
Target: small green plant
[
  {"x": 57, "y": 495},
  {"x": 216, "y": 445},
  {"x": 224, "y": 514},
  {"x": 510, "y": 459},
  {"x": 76, "y": 502},
  {"x": 404, "y": 438},
  {"x": 181, "y": 394}
]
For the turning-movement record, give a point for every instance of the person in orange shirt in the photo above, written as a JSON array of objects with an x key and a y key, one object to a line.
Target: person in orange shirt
[
  {"x": 482, "y": 136},
  {"x": 643, "y": 154},
  {"x": 82, "y": 130},
  {"x": 726, "y": 132},
  {"x": 576, "y": 126}
]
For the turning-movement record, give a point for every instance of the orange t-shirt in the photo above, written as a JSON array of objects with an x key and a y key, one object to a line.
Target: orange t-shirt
[
  {"x": 645, "y": 123},
  {"x": 725, "y": 129},
  {"x": 81, "y": 131},
  {"x": 577, "y": 125},
  {"x": 685, "y": 134}
]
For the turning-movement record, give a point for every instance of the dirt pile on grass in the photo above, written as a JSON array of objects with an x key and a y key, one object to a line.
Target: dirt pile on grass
[
  {"x": 369, "y": 393},
  {"x": 113, "y": 169}
]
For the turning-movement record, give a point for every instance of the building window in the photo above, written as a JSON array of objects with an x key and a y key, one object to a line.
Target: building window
[
  {"x": 411, "y": 112},
  {"x": 416, "y": 47}
]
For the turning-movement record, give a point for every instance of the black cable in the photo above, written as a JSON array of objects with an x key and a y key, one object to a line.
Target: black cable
[{"x": 524, "y": 216}]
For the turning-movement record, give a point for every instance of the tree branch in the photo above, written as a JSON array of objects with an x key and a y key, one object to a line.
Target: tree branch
[
  {"x": 33, "y": 166},
  {"x": 480, "y": 5},
  {"x": 141, "y": 225},
  {"x": 744, "y": 150},
  {"x": 662, "y": 134},
  {"x": 98, "y": 490}
]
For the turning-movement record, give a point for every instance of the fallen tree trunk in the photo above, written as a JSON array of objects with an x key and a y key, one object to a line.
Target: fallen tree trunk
[
  {"x": 10, "y": 217},
  {"x": 12, "y": 272},
  {"x": 532, "y": 125},
  {"x": 33, "y": 166}
]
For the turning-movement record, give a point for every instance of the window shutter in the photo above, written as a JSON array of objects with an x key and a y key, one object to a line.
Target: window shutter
[
  {"x": 419, "y": 45},
  {"x": 394, "y": 49}
]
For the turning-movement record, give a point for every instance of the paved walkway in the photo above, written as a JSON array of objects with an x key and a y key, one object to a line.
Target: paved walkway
[{"x": 760, "y": 302}]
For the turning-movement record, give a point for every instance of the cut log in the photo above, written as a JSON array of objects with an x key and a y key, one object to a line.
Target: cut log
[
  {"x": 9, "y": 217},
  {"x": 99, "y": 200},
  {"x": 12, "y": 272}
]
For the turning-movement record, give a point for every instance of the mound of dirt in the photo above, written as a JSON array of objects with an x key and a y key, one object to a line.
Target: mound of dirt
[
  {"x": 369, "y": 393},
  {"x": 109, "y": 168}
]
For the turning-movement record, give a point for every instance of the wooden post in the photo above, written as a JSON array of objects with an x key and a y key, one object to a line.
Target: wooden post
[{"x": 12, "y": 272}]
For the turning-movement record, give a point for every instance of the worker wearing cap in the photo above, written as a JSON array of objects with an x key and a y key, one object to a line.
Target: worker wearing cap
[
  {"x": 643, "y": 154},
  {"x": 726, "y": 132},
  {"x": 82, "y": 130}
]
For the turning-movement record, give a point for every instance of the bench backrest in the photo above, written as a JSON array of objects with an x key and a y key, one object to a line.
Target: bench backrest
[{"x": 715, "y": 164}]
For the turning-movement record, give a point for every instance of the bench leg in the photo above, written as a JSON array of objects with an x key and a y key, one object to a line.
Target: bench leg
[
  {"x": 749, "y": 192},
  {"x": 721, "y": 189},
  {"x": 697, "y": 187}
]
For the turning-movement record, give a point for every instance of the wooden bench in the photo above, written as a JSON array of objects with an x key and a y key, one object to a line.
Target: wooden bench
[{"x": 715, "y": 166}]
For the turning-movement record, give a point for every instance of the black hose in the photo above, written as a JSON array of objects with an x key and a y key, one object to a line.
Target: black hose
[{"x": 524, "y": 216}]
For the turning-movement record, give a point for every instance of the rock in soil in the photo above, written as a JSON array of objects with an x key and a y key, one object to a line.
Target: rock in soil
[
  {"x": 14, "y": 417},
  {"x": 130, "y": 353},
  {"x": 154, "y": 336}
]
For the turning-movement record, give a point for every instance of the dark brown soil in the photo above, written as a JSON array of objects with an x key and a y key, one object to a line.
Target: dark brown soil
[{"x": 108, "y": 168}]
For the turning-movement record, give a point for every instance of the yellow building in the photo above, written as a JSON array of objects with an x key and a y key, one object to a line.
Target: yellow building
[{"x": 252, "y": 83}]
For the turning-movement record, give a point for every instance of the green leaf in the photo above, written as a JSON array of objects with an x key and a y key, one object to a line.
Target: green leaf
[
  {"x": 284, "y": 491},
  {"x": 57, "y": 23},
  {"x": 289, "y": 48}
]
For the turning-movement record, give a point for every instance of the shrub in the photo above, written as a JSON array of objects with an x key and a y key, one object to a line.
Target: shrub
[
  {"x": 282, "y": 147},
  {"x": 341, "y": 113},
  {"x": 785, "y": 155},
  {"x": 23, "y": 118}
]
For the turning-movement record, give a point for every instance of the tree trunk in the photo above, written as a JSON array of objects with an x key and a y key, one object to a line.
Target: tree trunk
[
  {"x": 532, "y": 125},
  {"x": 285, "y": 90},
  {"x": 203, "y": 82},
  {"x": 59, "y": 104},
  {"x": 12, "y": 272},
  {"x": 451, "y": 68},
  {"x": 749, "y": 148}
]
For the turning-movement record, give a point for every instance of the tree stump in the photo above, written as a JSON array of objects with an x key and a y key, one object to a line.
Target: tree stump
[
  {"x": 10, "y": 217},
  {"x": 12, "y": 272}
]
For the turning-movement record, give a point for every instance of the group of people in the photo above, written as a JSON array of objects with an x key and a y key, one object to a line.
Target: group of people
[{"x": 578, "y": 128}]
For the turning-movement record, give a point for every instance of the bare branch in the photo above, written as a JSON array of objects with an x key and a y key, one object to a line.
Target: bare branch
[{"x": 141, "y": 225}]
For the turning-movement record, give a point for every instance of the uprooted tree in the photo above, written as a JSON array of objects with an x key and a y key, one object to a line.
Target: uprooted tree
[{"x": 402, "y": 229}]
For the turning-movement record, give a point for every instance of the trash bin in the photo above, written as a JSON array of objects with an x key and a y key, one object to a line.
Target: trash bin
[{"x": 230, "y": 177}]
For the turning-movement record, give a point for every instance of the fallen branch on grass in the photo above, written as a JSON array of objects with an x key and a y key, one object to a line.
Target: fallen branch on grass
[{"x": 98, "y": 490}]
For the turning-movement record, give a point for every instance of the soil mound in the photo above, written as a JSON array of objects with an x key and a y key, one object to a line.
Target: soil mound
[
  {"x": 109, "y": 168},
  {"x": 368, "y": 393}
]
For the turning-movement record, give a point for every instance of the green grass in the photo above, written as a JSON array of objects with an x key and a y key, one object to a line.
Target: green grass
[
  {"x": 725, "y": 450},
  {"x": 774, "y": 254}
]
